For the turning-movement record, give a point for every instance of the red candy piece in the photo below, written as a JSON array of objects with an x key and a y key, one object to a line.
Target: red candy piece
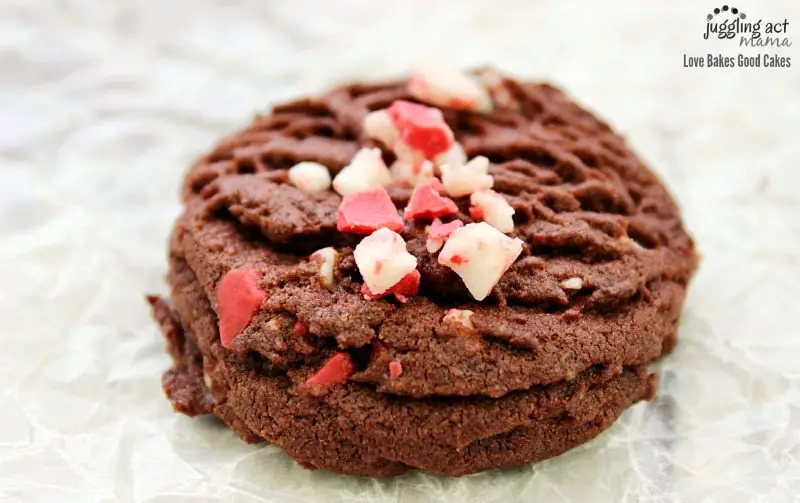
[
  {"x": 299, "y": 329},
  {"x": 395, "y": 369},
  {"x": 438, "y": 230},
  {"x": 458, "y": 259},
  {"x": 406, "y": 287},
  {"x": 239, "y": 299},
  {"x": 426, "y": 202},
  {"x": 335, "y": 371},
  {"x": 421, "y": 128},
  {"x": 365, "y": 212},
  {"x": 462, "y": 103},
  {"x": 475, "y": 213}
]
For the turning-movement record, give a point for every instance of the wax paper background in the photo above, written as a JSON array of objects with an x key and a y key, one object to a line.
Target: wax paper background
[{"x": 104, "y": 103}]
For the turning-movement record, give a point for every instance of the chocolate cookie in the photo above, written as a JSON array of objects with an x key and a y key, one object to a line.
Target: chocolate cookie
[{"x": 491, "y": 299}]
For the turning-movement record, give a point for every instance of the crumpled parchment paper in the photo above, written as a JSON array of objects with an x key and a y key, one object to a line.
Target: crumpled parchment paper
[{"x": 104, "y": 104}]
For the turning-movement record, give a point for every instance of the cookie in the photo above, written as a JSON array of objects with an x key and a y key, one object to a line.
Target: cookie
[{"x": 450, "y": 273}]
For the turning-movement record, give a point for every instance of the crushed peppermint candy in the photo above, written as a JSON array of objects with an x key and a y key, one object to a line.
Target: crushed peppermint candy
[
  {"x": 407, "y": 154},
  {"x": 383, "y": 260},
  {"x": 455, "y": 155},
  {"x": 379, "y": 126},
  {"x": 335, "y": 371},
  {"x": 494, "y": 83},
  {"x": 366, "y": 171},
  {"x": 310, "y": 176},
  {"x": 326, "y": 258},
  {"x": 444, "y": 87},
  {"x": 395, "y": 369},
  {"x": 365, "y": 212},
  {"x": 402, "y": 290},
  {"x": 463, "y": 180},
  {"x": 412, "y": 172},
  {"x": 461, "y": 319},
  {"x": 480, "y": 255},
  {"x": 439, "y": 232},
  {"x": 572, "y": 284},
  {"x": 421, "y": 128},
  {"x": 239, "y": 298},
  {"x": 492, "y": 208},
  {"x": 425, "y": 202}
]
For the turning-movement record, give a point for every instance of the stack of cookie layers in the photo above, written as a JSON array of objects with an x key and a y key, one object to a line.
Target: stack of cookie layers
[{"x": 547, "y": 361}]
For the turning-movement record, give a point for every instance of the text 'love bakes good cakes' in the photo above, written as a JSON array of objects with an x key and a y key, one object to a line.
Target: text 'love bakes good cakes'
[{"x": 450, "y": 273}]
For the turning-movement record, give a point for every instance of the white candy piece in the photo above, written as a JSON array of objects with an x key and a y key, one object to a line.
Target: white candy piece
[
  {"x": 460, "y": 318},
  {"x": 310, "y": 176},
  {"x": 479, "y": 164},
  {"x": 463, "y": 180},
  {"x": 383, "y": 260},
  {"x": 326, "y": 258},
  {"x": 407, "y": 154},
  {"x": 494, "y": 209},
  {"x": 480, "y": 255},
  {"x": 366, "y": 171},
  {"x": 379, "y": 126},
  {"x": 493, "y": 82},
  {"x": 444, "y": 87},
  {"x": 453, "y": 156},
  {"x": 433, "y": 245},
  {"x": 572, "y": 284},
  {"x": 412, "y": 173}
]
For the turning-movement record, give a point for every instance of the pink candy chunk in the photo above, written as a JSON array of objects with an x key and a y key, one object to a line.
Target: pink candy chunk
[
  {"x": 402, "y": 290},
  {"x": 426, "y": 202},
  {"x": 368, "y": 211},
  {"x": 439, "y": 232},
  {"x": 335, "y": 371},
  {"x": 480, "y": 255},
  {"x": 366, "y": 171},
  {"x": 492, "y": 208},
  {"x": 395, "y": 369},
  {"x": 239, "y": 298},
  {"x": 421, "y": 128},
  {"x": 463, "y": 180},
  {"x": 444, "y": 87},
  {"x": 413, "y": 172},
  {"x": 383, "y": 260}
]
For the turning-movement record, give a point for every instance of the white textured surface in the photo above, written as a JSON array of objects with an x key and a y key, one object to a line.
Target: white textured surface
[{"x": 104, "y": 103}]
